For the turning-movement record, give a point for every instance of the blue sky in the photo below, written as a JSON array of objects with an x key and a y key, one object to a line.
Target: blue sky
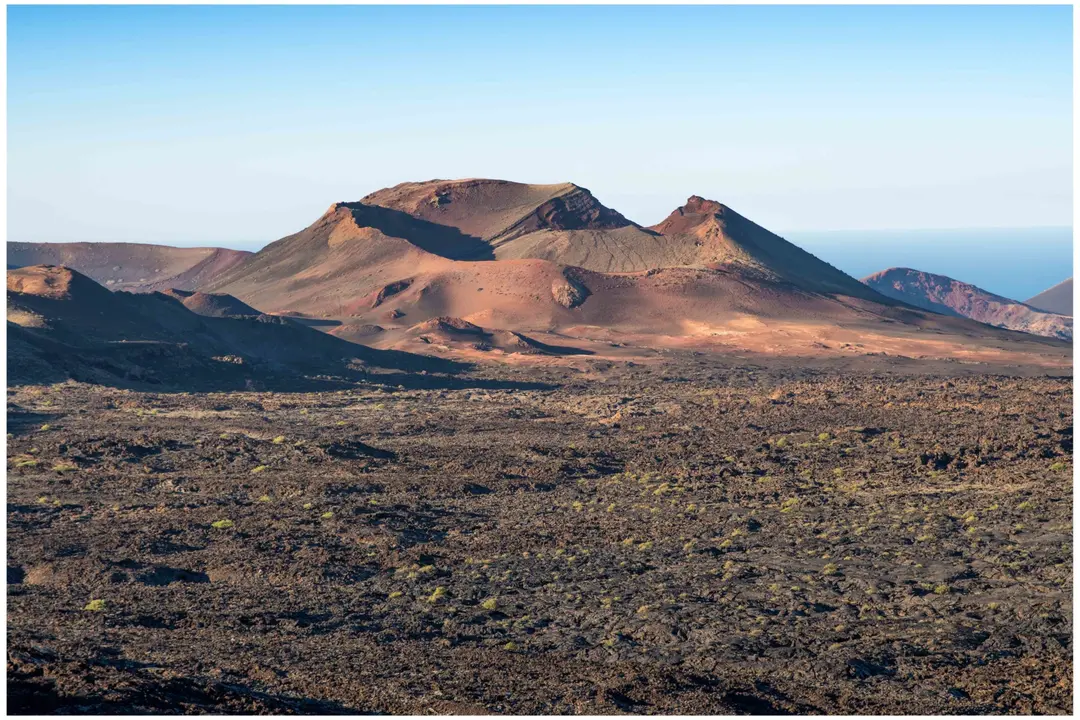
[{"x": 238, "y": 125}]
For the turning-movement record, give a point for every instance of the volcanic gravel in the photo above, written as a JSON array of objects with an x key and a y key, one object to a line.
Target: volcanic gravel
[{"x": 682, "y": 539}]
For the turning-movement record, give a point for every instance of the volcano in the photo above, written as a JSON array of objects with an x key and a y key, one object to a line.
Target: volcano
[{"x": 531, "y": 254}]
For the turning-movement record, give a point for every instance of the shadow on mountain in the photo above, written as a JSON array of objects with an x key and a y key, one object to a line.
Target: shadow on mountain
[
  {"x": 172, "y": 367},
  {"x": 62, "y": 325},
  {"x": 437, "y": 239}
]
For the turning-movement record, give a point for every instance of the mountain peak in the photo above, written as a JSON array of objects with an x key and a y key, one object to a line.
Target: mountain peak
[
  {"x": 695, "y": 212},
  {"x": 698, "y": 205}
]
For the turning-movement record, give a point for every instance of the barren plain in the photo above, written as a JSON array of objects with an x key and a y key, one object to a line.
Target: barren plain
[{"x": 686, "y": 534}]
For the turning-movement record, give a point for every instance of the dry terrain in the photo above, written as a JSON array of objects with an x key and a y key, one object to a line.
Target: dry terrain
[{"x": 681, "y": 534}]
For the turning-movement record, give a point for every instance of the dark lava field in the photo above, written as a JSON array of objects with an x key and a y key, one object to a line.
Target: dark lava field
[{"x": 678, "y": 538}]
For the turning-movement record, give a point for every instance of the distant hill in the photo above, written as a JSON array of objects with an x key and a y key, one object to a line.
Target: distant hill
[
  {"x": 62, "y": 324},
  {"x": 130, "y": 266},
  {"x": 1058, "y": 299},
  {"x": 947, "y": 296}
]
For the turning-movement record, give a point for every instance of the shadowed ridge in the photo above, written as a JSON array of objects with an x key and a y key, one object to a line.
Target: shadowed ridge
[
  {"x": 563, "y": 223},
  {"x": 67, "y": 324},
  {"x": 575, "y": 209},
  {"x": 497, "y": 211},
  {"x": 336, "y": 260},
  {"x": 443, "y": 240}
]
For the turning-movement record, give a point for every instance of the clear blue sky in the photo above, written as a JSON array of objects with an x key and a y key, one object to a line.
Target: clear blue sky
[{"x": 238, "y": 125}]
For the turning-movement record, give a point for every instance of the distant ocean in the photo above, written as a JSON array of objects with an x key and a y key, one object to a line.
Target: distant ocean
[{"x": 1016, "y": 263}]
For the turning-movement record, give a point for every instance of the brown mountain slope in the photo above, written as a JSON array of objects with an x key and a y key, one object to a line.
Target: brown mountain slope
[
  {"x": 566, "y": 224},
  {"x": 65, "y": 325},
  {"x": 413, "y": 239},
  {"x": 951, "y": 297},
  {"x": 365, "y": 266},
  {"x": 346, "y": 265},
  {"x": 718, "y": 236},
  {"x": 135, "y": 267},
  {"x": 334, "y": 263},
  {"x": 1058, "y": 299}
]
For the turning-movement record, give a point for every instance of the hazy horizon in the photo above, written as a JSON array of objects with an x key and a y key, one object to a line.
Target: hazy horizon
[{"x": 216, "y": 125}]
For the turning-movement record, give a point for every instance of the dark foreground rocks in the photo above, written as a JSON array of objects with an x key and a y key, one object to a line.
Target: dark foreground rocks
[{"x": 638, "y": 540}]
